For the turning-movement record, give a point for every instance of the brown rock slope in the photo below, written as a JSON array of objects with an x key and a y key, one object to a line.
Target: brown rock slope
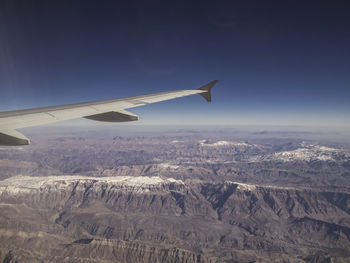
[{"x": 150, "y": 219}]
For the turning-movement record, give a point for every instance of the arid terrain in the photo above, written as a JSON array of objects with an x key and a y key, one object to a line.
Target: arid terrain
[{"x": 175, "y": 195}]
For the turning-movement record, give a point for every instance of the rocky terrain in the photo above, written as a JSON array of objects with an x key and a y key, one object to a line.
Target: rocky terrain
[
  {"x": 175, "y": 197},
  {"x": 138, "y": 219}
]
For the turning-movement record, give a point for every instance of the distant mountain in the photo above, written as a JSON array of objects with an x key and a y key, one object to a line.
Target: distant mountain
[{"x": 309, "y": 153}]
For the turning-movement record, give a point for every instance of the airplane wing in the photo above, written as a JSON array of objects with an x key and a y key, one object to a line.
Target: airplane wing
[{"x": 106, "y": 110}]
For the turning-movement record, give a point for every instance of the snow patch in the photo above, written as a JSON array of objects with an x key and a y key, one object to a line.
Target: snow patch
[
  {"x": 252, "y": 187},
  {"x": 168, "y": 166},
  {"x": 308, "y": 152},
  {"x": 27, "y": 184},
  {"x": 313, "y": 152},
  {"x": 246, "y": 187},
  {"x": 222, "y": 143}
]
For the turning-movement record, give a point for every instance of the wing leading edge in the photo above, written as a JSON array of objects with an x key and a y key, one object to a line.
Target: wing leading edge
[{"x": 106, "y": 110}]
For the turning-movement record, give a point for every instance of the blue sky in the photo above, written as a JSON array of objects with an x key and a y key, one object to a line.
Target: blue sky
[{"x": 278, "y": 62}]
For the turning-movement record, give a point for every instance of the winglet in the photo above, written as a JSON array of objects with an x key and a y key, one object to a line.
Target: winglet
[{"x": 207, "y": 88}]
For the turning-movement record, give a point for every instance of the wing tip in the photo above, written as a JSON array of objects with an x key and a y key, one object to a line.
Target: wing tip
[{"x": 207, "y": 87}]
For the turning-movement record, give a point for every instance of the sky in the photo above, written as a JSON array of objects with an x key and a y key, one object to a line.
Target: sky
[{"x": 277, "y": 62}]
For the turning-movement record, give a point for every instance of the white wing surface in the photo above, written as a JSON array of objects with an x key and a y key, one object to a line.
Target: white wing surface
[{"x": 107, "y": 110}]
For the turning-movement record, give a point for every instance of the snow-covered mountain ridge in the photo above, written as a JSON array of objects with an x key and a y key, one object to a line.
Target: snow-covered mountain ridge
[{"x": 306, "y": 152}]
